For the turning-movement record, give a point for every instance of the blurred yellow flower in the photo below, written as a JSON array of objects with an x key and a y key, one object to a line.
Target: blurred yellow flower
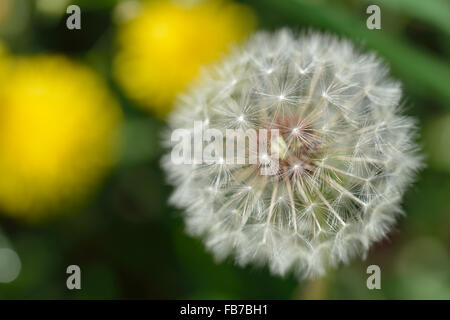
[
  {"x": 58, "y": 127},
  {"x": 162, "y": 49}
]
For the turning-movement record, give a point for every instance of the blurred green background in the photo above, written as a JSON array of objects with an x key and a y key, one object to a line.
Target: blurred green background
[{"x": 130, "y": 244}]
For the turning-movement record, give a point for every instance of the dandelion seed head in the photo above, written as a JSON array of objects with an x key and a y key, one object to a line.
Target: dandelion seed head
[{"x": 347, "y": 154}]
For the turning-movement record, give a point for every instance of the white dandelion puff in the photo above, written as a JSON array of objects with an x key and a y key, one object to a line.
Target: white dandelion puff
[{"x": 348, "y": 154}]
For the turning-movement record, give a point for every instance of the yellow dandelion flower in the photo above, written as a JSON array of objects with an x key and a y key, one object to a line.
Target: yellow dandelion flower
[
  {"x": 58, "y": 126},
  {"x": 162, "y": 49}
]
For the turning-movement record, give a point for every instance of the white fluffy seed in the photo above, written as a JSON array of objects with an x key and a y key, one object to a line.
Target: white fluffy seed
[{"x": 350, "y": 154}]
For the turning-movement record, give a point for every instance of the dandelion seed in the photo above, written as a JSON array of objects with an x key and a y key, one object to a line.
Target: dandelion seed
[{"x": 348, "y": 154}]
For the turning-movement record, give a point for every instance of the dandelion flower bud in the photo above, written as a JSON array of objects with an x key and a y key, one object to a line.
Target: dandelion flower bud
[{"x": 346, "y": 154}]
